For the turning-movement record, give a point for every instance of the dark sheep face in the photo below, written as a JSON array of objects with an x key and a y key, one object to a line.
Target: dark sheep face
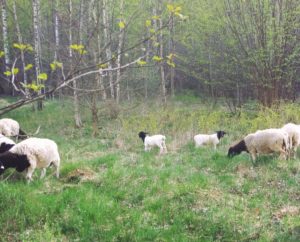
[
  {"x": 221, "y": 134},
  {"x": 142, "y": 135},
  {"x": 232, "y": 152},
  {"x": 237, "y": 149}
]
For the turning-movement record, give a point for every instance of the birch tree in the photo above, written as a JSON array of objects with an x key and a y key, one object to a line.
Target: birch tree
[
  {"x": 37, "y": 54},
  {"x": 20, "y": 40},
  {"x": 5, "y": 33},
  {"x": 107, "y": 44},
  {"x": 120, "y": 46}
]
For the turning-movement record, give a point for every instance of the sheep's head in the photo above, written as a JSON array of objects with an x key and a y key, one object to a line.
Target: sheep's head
[
  {"x": 220, "y": 134},
  {"x": 2, "y": 168},
  {"x": 237, "y": 149},
  {"x": 142, "y": 135}
]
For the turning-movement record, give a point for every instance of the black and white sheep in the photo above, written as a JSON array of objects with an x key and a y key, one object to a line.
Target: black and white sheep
[
  {"x": 293, "y": 131},
  {"x": 5, "y": 143},
  {"x": 209, "y": 139},
  {"x": 30, "y": 154},
  {"x": 10, "y": 127},
  {"x": 262, "y": 142},
  {"x": 157, "y": 140}
]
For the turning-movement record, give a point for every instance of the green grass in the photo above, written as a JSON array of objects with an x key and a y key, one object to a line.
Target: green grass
[{"x": 114, "y": 191}]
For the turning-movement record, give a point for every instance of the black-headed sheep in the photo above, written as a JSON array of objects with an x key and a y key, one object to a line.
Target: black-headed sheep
[
  {"x": 154, "y": 140},
  {"x": 5, "y": 143},
  {"x": 30, "y": 154},
  {"x": 262, "y": 142},
  {"x": 209, "y": 139}
]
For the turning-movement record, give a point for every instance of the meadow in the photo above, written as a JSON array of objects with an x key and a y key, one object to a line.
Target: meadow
[{"x": 111, "y": 190}]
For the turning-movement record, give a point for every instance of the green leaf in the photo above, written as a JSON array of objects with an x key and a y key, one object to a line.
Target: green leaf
[
  {"x": 76, "y": 47},
  {"x": 155, "y": 17},
  {"x": 42, "y": 76},
  {"x": 1, "y": 53},
  {"x": 171, "y": 63},
  {"x": 28, "y": 67},
  {"x": 102, "y": 66},
  {"x": 157, "y": 58},
  {"x": 141, "y": 62},
  {"x": 121, "y": 25},
  {"x": 148, "y": 23},
  {"x": 55, "y": 64},
  {"x": 170, "y": 7},
  {"x": 15, "y": 71},
  {"x": 7, "y": 73},
  {"x": 23, "y": 47}
]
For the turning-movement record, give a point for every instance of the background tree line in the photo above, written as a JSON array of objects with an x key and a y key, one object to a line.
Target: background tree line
[{"x": 234, "y": 49}]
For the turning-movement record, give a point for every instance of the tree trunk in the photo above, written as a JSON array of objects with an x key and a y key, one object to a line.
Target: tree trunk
[
  {"x": 5, "y": 86},
  {"x": 161, "y": 53},
  {"x": 119, "y": 59},
  {"x": 97, "y": 54},
  {"x": 172, "y": 51},
  {"x": 20, "y": 40},
  {"x": 77, "y": 117},
  {"x": 107, "y": 43},
  {"x": 5, "y": 34},
  {"x": 35, "y": 5}
]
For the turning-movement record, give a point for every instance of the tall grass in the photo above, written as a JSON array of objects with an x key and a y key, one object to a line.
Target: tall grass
[{"x": 111, "y": 190}]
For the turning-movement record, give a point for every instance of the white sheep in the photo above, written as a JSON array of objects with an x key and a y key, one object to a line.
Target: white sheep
[
  {"x": 209, "y": 139},
  {"x": 10, "y": 127},
  {"x": 154, "y": 140},
  {"x": 30, "y": 154},
  {"x": 262, "y": 142},
  {"x": 5, "y": 143},
  {"x": 293, "y": 131}
]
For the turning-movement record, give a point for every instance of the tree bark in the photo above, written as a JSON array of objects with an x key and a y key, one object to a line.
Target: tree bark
[
  {"x": 20, "y": 40},
  {"x": 77, "y": 117},
  {"x": 37, "y": 54},
  {"x": 107, "y": 43},
  {"x": 119, "y": 59},
  {"x": 161, "y": 53}
]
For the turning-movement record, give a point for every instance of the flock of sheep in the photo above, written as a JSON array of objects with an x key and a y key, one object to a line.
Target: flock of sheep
[
  {"x": 29, "y": 154},
  {"x": 33, "y": 153},
  {"x": 283, "y": 140}
]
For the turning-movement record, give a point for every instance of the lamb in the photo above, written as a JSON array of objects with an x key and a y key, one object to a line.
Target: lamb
[
  {"x": 154, "y": 140},
  {"x": 30, "y": 154},
  {"x": 5, "y": 143},
  {"x": 293, "y": 131},
  {"x": 10, "y": 127},
  {"x": 209, "y": 139},
  {"x": 262, "y": 142}
]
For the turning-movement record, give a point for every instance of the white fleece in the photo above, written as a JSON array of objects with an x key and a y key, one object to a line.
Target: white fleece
[{"x": 40, "y": 153}]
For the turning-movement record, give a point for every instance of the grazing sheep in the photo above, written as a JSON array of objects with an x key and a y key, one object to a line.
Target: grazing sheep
[
  {"x": 262, "y": 142},
  {"x": 293, "y": 131},
  {"x": 154, "y": 140},
  {"x": 209, "y": 139},
  {"x": 30, "y": 154},
  {"x": 10, "y": 127},
  {"x": 5, "y": 143}
]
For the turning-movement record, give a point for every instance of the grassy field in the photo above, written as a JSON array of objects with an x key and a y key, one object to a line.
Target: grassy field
[{"x": 111, "y": 190}]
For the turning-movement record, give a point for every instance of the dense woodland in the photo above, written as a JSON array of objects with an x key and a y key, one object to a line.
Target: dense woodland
[{"x": 97, "y": 50}]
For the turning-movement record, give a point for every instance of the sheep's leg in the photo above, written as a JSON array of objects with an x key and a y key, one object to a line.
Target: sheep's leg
[
  {"x": 161, "y": 149},
  {"x": 30, "y": 171},
  {"x": 165, "y": 147},
  {"x": 43, "y": 173},
  {"x": 253, "y": 157}
]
